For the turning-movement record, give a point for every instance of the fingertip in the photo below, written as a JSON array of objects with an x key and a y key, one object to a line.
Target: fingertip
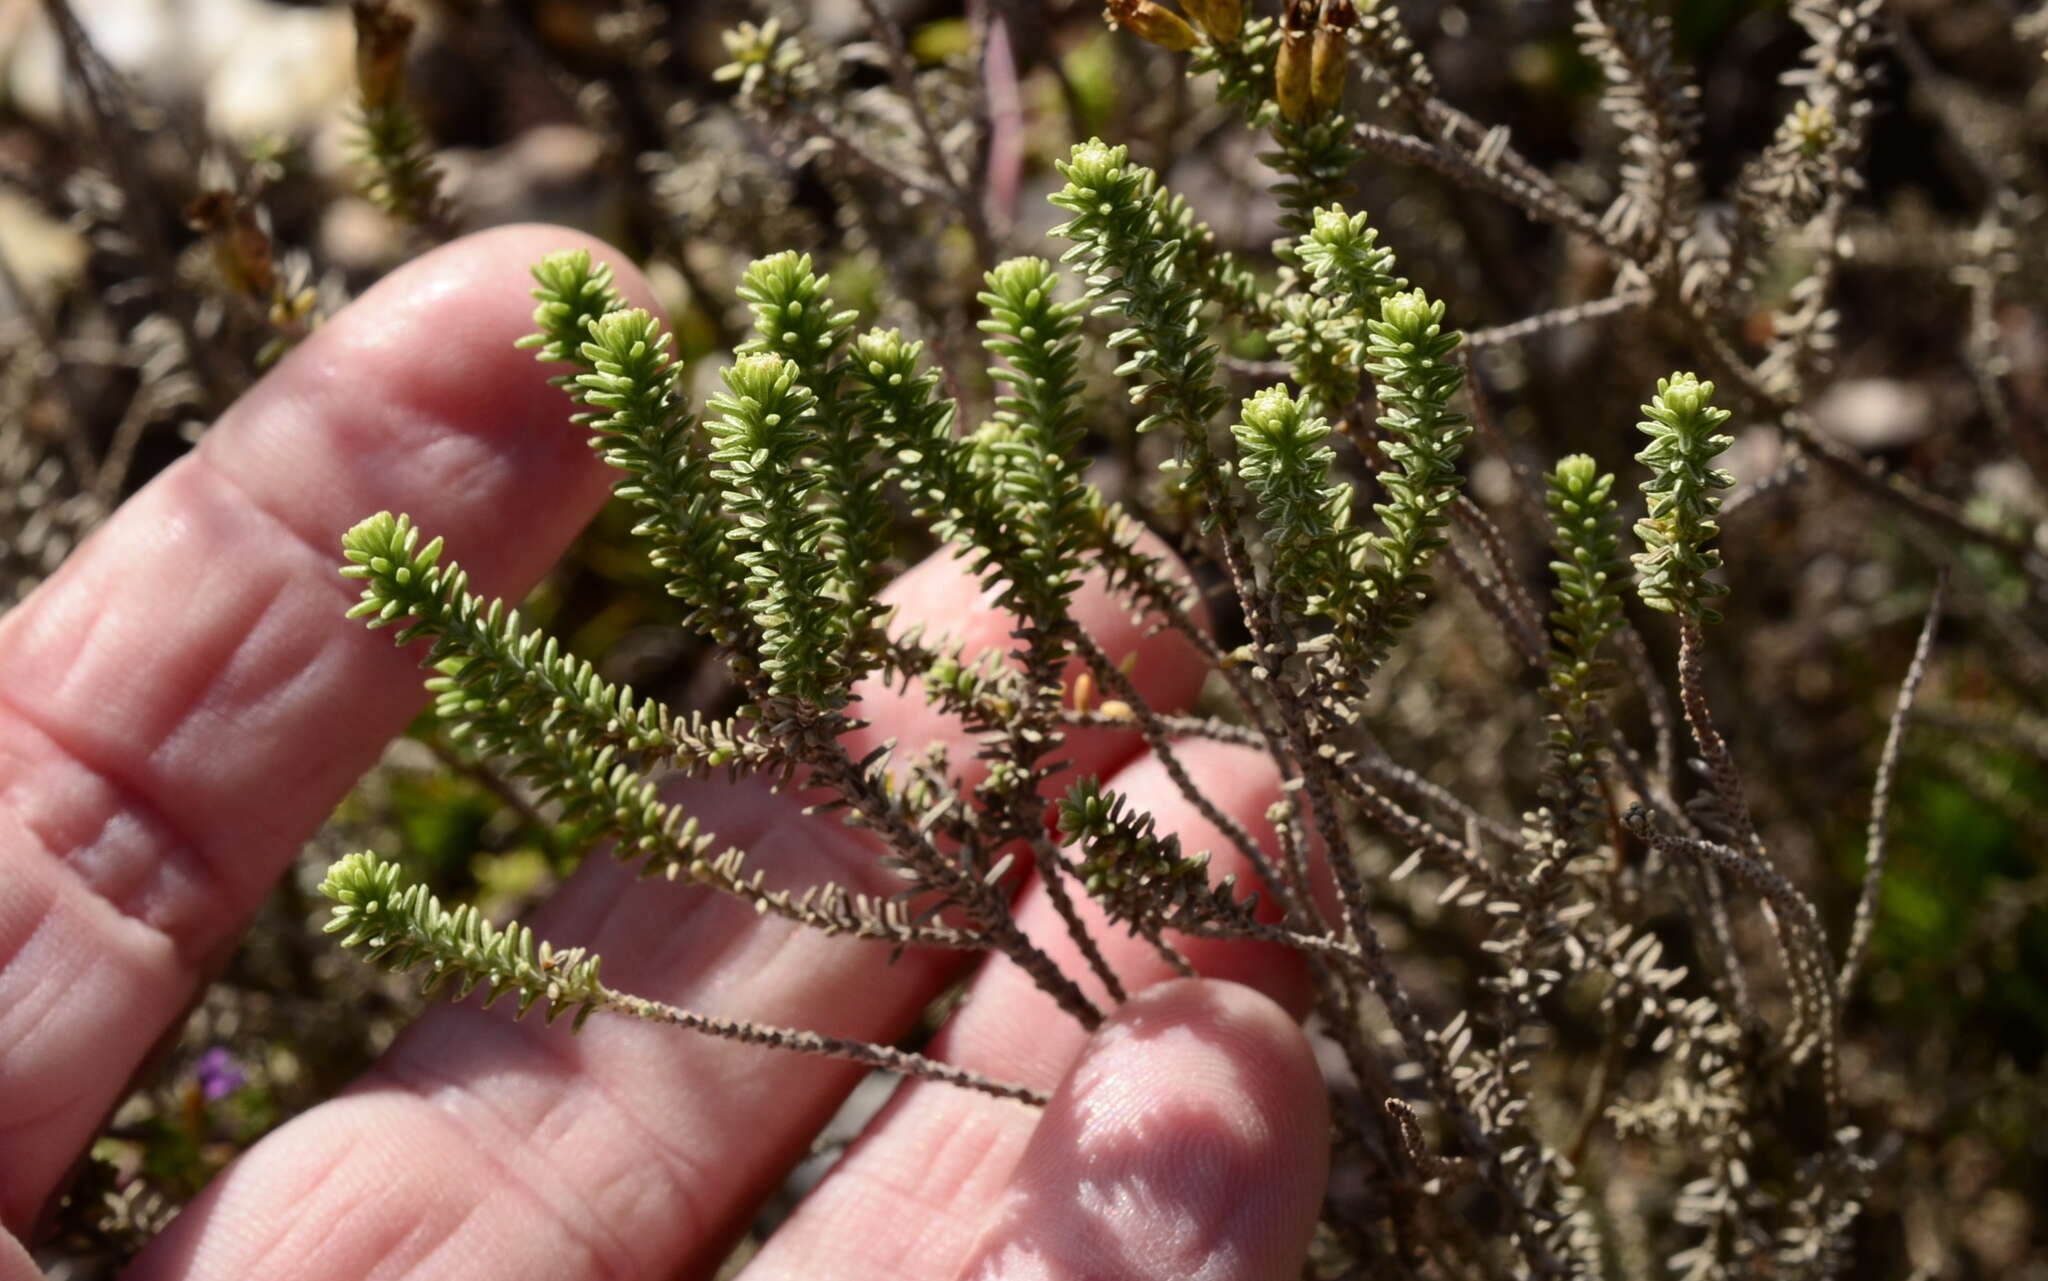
[
  {"x": 1236, "y": 1048},
  {"x": 1190, "y": 1138},
  {"x": 1242, "y": 784}
]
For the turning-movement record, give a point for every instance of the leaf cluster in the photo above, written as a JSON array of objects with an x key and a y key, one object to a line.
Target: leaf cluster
[
  {"x": 405, "y": 926},
  {"x": 775, "y": 515},
  {"x": 1683, "y": 425}
]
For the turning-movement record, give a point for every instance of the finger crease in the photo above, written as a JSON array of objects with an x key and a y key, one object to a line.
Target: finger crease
[
  {"x": 590, "y": 1231},
  {"x": 143, "y": 886}
]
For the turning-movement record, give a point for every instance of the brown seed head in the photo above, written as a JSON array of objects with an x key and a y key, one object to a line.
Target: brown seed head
[
  {"x": 1332, "y": 55},
  {"x": 1293, "y": 72},
  {"x": 1222, "y": 19},
  {"x": 240, "y": 249},
  {"x": 382, "y": 34},
  {"x": 1153, "y": 22}
]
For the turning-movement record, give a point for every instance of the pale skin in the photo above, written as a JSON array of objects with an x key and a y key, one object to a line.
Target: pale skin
[{"x": 183, "y": 704}]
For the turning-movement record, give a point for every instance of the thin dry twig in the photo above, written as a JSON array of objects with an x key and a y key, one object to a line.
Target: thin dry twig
[
  {"x": 1880, "y": 800},
  {"x": 800, "y": 1041}
]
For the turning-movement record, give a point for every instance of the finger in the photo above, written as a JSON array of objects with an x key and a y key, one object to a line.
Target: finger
[
  {"x": 1189, "y": 1140},
  {"x": 943, "y": 598},
  {"x": 909, "y": 1199},
  {"x": 480, "y": 1147},
  {"x": 15, "y": 1263},
  {"x": 183, "y": 703}
]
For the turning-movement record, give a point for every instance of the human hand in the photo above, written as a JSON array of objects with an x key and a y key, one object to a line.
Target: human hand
[{"x": 184, "y": 703}]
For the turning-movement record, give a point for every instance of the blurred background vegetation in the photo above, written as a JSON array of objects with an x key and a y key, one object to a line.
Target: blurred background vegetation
[{"x": 158, "y": 157}]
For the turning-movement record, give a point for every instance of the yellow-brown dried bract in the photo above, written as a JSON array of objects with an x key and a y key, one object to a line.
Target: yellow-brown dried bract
[{"x": 1154, "y": 22}]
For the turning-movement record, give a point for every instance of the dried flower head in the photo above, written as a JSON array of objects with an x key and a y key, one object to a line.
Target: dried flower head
[{"x": 1154, "y": 23}]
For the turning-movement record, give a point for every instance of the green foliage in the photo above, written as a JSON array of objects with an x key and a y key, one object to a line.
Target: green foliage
[
  {"x": 1123, "y": 857},
  {"x": 1243, "y": 68},
  {"x": 402, "y": 926},
  {"x": 506, "y": 692},
  {"x": 1602, "y": 1006},
  {"x": 630, "y": 386},
  {"x": 801, "y": 505},
  {"x": 1586, "y": 530},
  {"x": 1123, "y": 230},
  {"x": 1288, "y": 86},
  {"x": 773, "y": 523},
  {"x": 913, "y": 427},
  {"x": 1285, "y": 461},
  {"x": 778, "y": 537},
  {"x": 1036, "y": 457},
  {"x": 774, "y": 519},
  {"x": 1410, "y": 355},
  {"x": 764, "y": 61},
  {"x": 795, "y": 319},
  {"x": 1321, "y": 346},
  {"x": 1323, "y": 332},
  {"x": 401, "y": 176},
  {"x": 629, "y": 389},
  {"x": 573, "y": 291},
  {"x": 1586, "y": 527},
  {"x": 1343, "y": 257},
  {"x": 1316, "y": 158},
  {"x": 1683, "y": 427}
]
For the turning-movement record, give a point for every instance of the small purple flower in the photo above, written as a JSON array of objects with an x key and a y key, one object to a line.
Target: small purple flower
[{"x": 219, "y": 1075}]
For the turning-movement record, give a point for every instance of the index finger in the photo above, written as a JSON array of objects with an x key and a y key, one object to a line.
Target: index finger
[{"x": 183, "y": 703}]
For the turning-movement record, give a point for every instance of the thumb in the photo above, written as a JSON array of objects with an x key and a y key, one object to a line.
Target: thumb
[{"x": 1191, "y": 1139}]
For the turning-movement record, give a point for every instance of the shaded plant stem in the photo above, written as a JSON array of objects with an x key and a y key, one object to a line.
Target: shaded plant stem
[
  {"x": 1053, "y": 872},
  {"x": 990, "y": 915},
  {"x": 1726, "y": 785},
  {"x": 1559, "y": 318},
  {"x": 1635, "y": 656},
  {"x": 1208, "y": 727},
  {"x": 1806, "y": 951},
  {"x": 1384, "y": 769},
  {"x": 1722, "y": 774},
  {"x": 1498, "y": 600},
  {"x": 1418, "y": 833},
  {"x": 1156, "y": 738},
  {"x": 1539, "y": 204},
  {"x": 1880, "y": 801}
]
